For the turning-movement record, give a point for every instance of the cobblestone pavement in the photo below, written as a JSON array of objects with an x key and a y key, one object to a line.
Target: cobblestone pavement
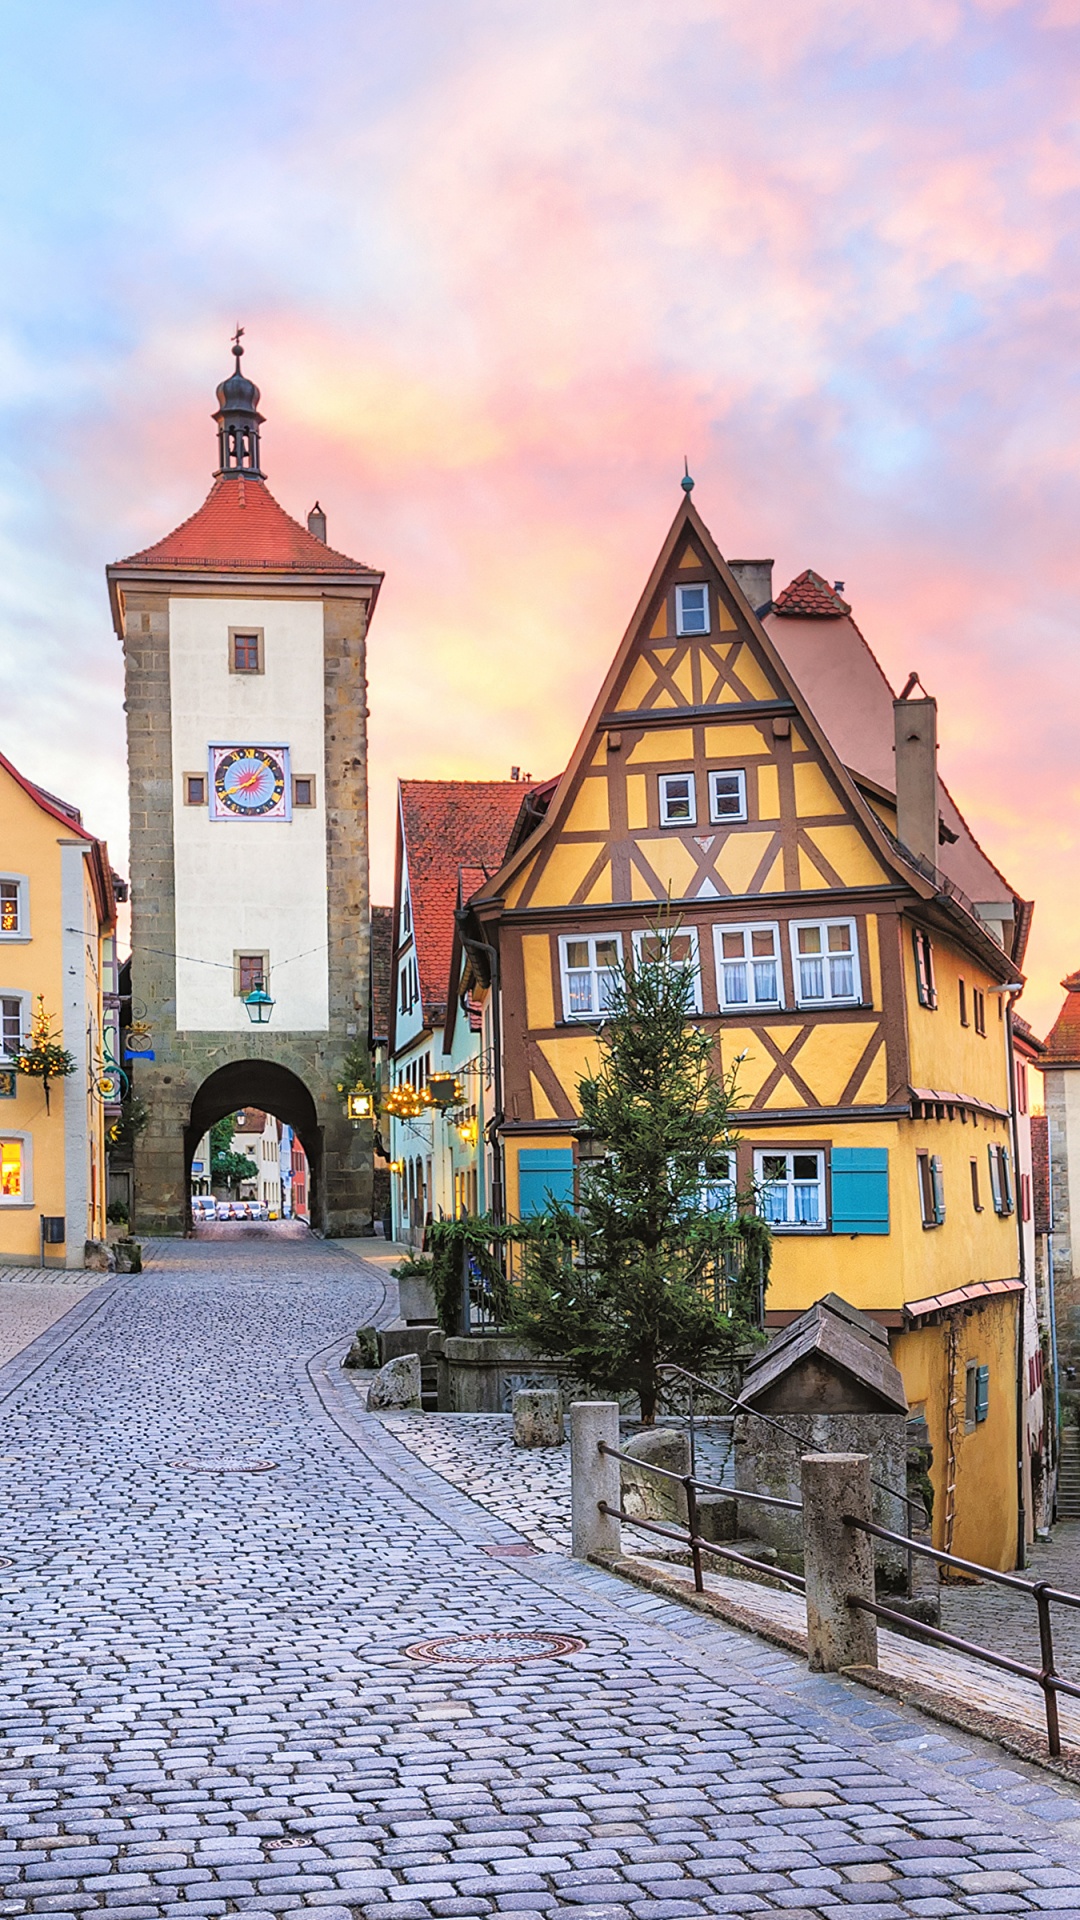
[
  {"x": 31, "y": 1301},
  {"x": 998, "y": 1617},
  {"x": 208, "y": 1703}
]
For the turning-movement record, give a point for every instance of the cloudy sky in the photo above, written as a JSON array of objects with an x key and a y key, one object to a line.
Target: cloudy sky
[{"x": 501, "y": 265}]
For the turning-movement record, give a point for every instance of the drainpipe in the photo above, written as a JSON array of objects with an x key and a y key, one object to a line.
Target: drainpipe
[
  {"x": 1014, "y": 1129},
  {"x": 494, "y": 1125}
]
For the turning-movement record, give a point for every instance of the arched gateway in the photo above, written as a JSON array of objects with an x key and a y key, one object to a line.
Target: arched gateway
[{"x": 244, "y": 640}]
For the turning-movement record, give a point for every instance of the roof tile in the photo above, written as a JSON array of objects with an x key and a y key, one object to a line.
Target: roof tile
[
  {"x": 449, "y": 825},
  {"x": 1063, "y": 1039},
  {"x": 809, "y": 597},
  {"x": 241, "y": 525}
]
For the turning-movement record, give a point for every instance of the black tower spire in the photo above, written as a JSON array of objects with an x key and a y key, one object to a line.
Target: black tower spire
[{"x": 238, "y": 420}]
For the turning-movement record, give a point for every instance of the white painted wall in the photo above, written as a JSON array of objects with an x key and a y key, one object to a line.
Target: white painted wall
[{"x": 249, "y": 885}]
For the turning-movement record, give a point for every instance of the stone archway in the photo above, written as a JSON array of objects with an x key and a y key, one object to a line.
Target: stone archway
[{"x": 274, "y": 1089}]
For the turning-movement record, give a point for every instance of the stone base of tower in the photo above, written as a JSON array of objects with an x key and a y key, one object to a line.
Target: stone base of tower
[{"x": 192, "y": 1083}]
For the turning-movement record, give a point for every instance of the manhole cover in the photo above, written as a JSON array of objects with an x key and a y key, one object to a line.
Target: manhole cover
[
  {"x": 223, "y": 1466},
  {"x": 6, "y": 1560},
  {"x": 465, "y": 1649},
  {"x": 290, "y": 1840},
  {"x": 510, "y": 1550}
]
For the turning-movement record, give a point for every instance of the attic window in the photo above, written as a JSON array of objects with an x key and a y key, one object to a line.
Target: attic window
[
  {"x": 727, "y": 795},
  {"x": 924, "y": 968},
  {"x": 678, "y": 800},
  {"x": 692, "y": 609}
]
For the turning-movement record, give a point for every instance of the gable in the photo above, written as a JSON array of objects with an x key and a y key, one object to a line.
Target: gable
[{"x": 765, "y": 808}]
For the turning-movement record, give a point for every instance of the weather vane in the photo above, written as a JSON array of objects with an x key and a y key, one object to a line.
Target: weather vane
[{"x": 236, "y": 339}]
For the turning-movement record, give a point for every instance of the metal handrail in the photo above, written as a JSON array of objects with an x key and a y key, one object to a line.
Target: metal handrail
[
  {"x": 1045, "y": 1677},
  {"x": 692, "y": 1537},
  {"x": 702, "y": 1486},
  {"x": 738, "y": 1405},
  {"x": 698, "y": 1546}
]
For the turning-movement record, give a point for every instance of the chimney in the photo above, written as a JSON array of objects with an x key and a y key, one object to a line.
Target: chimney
[
  {"x": 316, "y": 523},
  {"x": 755, "y": 579},
  {"x": 915, "y": 730}
]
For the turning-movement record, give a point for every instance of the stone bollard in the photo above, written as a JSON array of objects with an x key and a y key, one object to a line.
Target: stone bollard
[
  {"x": 396, "y": 1387},
  {"x": 644, "y": 1494},
  {"x": 538, "y": 1417},
  {"x": 594, "y": 1476},
  {"x": 838, "y": 1560}
]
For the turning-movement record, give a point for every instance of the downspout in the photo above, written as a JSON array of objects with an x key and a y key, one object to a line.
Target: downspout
[
  {"x": 494, "y": 1125},
  {"x": 1021, "y": 1514}
]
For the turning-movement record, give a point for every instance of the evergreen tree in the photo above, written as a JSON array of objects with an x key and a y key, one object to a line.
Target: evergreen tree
[
  {"x": 225, "y": 1165},
  {"x": 626, "y": 1280}
]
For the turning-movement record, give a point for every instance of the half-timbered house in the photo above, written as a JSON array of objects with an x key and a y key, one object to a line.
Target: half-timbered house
[{"x": 747, "y": 772}]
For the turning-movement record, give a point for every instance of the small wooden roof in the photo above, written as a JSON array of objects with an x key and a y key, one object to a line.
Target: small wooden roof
[{"x": 847, "y": 1341}]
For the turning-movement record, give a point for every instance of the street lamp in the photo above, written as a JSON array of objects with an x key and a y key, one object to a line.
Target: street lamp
[
  {"x": 359, "y": 1105},
  {"x": 590, "y": 1148},
  {"x": 259, "y": 1005}
]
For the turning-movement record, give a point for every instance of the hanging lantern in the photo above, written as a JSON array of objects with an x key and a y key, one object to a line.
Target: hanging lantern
[
  {"x": 259, "y": 1005},
  {"x": 359, "y": 1104}
]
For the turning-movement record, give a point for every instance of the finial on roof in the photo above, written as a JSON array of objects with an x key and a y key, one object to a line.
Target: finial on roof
[
  {"x": 238, "y": 420},
  {"x": 686, "y": 483}
]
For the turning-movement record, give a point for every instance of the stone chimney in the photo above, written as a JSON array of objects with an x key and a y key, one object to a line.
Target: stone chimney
[
  {"x": 755, "y": 579},
  {"x": 915, "y": 732},
  {"x": 316, "y": 523}
]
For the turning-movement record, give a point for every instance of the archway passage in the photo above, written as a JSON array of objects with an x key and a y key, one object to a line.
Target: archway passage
[{"x": 274, "y": 1089}]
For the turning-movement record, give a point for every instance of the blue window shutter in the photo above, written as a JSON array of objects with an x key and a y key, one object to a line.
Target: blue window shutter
[
  {"x": 860, "y": 1189},
  {"x": 544, "y": 1174},
  {"x": 982, "y": 1393}
]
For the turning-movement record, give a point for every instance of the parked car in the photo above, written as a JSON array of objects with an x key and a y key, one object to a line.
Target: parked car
[{"x": 203, "y": 1207}]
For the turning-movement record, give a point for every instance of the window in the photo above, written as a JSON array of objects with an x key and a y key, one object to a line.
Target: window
[
  {"x": 826, "y": 961},
  {"x": 860, "y": 1189},
  {"x": 678, "y": 948},
  {"x": 924, "y": 968},
  {"x": 964, "y": 1021},
  {"x": 303, "y": 790},
  {"x": 588, "y": 974},
  {"x": 14, "y": 916},
  {"x": 15, "y": 1186},
  {"x": 692, "y": 609},
  {"x": 792, "y": 1188},
  {"x": 979, "y": 1006},
  {"x": 245, "y": 649},
  {"x": 409, "y": 985},
  {"x": 748, "y": 967},
  {"x": 250, "y": 970},
  {"x": 1001, "y": 1187},
  {"x": 976, "y": 1197},
  {"x": 678, "y": 800},
  {"x": 717, "y": 1194},
  {"x": 931, "y": 1189},
  {"x": 194, "y": 789},
  {"x": 1021, "y": 1086},
  {"x": 727, "y": 794},
  {"x": 11, "y": 1025},
  {"x": 976, "y": 1395}
]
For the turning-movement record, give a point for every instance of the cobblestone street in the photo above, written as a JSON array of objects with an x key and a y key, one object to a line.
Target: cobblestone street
[{"x": 214, "y": 1696}]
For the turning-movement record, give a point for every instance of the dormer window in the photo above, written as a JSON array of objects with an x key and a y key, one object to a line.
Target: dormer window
[{"x": 692, "y": 609}]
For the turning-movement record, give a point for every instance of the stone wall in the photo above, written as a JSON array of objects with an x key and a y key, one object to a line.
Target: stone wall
[
  {"x": 342, "y": 1154},
  {"x": 768, "y": 1461},
  {"x": 1066, "y": 1286}
]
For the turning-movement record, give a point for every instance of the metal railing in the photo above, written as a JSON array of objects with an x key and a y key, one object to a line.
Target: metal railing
[
  {"x": 1045, "y": 1676},
  {"x": 690, "y": 1535}
]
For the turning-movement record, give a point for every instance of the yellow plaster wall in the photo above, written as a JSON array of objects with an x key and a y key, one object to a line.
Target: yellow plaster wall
[
  {"x": 986, "y": 1493},
  {"x": 29, "y": 843},
  {"x": 539, "y": 994},
  {"x": 589, "y": 812},
  {"x": 944, "y": 1054}
]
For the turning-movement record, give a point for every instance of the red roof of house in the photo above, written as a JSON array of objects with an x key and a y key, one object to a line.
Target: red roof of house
[
  {"x": 1063, "y": 1039},
  {"x": 240, "y": 525},
  {"x": 449, "y": 825},
  {"x": 811, "y": 598}
]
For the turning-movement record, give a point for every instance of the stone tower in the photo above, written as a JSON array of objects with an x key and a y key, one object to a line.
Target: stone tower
[{"x": 244, "y": 639}]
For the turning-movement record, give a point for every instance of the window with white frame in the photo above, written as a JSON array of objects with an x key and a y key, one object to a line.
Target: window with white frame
[
  {"x": 679, "y": 948},
  {"x": 727, "y": 794},
  {"x": 748, "y": 970},
  {"x": 12, "y": 1013},
  {"x": 791, "y": 1188},
  {"x": 678, "y": 800},
  {"x": 589, "y": 964},
  {"x": 692, "y": 609},
  {"x": 825, "y": 954},
  {"x": 717, "y": 1192},
  {"x": 14, "y": 917},
  {"x": 16, "y": 1186}
]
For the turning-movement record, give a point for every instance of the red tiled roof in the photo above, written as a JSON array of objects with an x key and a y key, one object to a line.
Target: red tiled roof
[
  {"x": 1040, "y": 1172},
  {"x": 448, "y": 825},
  {"x": 239, "y": 526},
  {"x": 809, "y": 597},
  {"x": 1063, "y": 1039},
  {"x": 382, "y": 970},
  {"x": 961, "y": 1296}
]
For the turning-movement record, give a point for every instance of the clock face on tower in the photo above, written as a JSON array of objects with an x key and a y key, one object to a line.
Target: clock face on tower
[{"x": 249, "y": 783}]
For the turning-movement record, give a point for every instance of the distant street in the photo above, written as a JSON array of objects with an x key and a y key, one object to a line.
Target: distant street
[{"x": 208, "y": 1703}]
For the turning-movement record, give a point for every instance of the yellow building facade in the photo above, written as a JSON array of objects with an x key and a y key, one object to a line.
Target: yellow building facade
[
  {"x": 857, "y": 989},
  {"x": 57, "y": 954}
]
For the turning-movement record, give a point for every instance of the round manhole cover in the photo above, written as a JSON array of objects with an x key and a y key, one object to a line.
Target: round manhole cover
[
  {"x": 465, "y": 1649},
  {"x": 223, "y": 1466}
]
